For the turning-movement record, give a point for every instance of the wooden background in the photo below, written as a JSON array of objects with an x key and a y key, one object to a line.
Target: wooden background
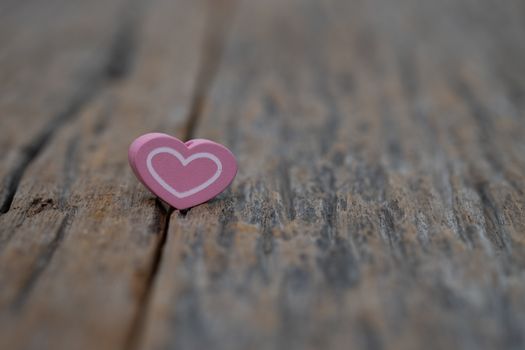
[{"x": 379, "y": 204}]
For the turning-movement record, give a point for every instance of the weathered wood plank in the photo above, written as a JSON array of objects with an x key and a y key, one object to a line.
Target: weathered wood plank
[
  {"x": 379, "y": 201},
  {"x": 55, "y": 57},
  {"x": 28, "y": 119},
  {"x": 82, "y": 234}
]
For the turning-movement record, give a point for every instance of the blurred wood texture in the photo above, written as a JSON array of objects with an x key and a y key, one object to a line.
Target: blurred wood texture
[{"x": 380, "y": 198}]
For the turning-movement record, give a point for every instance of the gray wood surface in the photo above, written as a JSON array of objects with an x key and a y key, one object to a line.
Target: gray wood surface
[{"x": 380, "y": 198}]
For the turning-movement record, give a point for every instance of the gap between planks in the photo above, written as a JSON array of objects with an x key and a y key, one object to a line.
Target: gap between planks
[{"x": 219, "y": 16}]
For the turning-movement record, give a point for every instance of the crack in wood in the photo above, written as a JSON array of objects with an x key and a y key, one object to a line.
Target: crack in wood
[
  {"x": 104, "y": 117},
  {"x": 70, "y": 163},
  {"x": 41, "y": 264},
  {"x": 137, "y": 323},
  {"x": 122, "y": 51},
  {"x": 286, "y": 189},
  {"x": 220, "y": 14}
]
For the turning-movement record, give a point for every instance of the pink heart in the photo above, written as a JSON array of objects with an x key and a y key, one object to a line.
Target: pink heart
[{"x": 182, "y": 174}]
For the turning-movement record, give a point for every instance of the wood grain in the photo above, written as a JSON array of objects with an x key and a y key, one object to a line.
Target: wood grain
[{"x": 380, "y": 197}]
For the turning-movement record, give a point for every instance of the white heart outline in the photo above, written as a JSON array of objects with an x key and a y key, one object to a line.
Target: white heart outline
[{"x": 184, "y": 161}]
